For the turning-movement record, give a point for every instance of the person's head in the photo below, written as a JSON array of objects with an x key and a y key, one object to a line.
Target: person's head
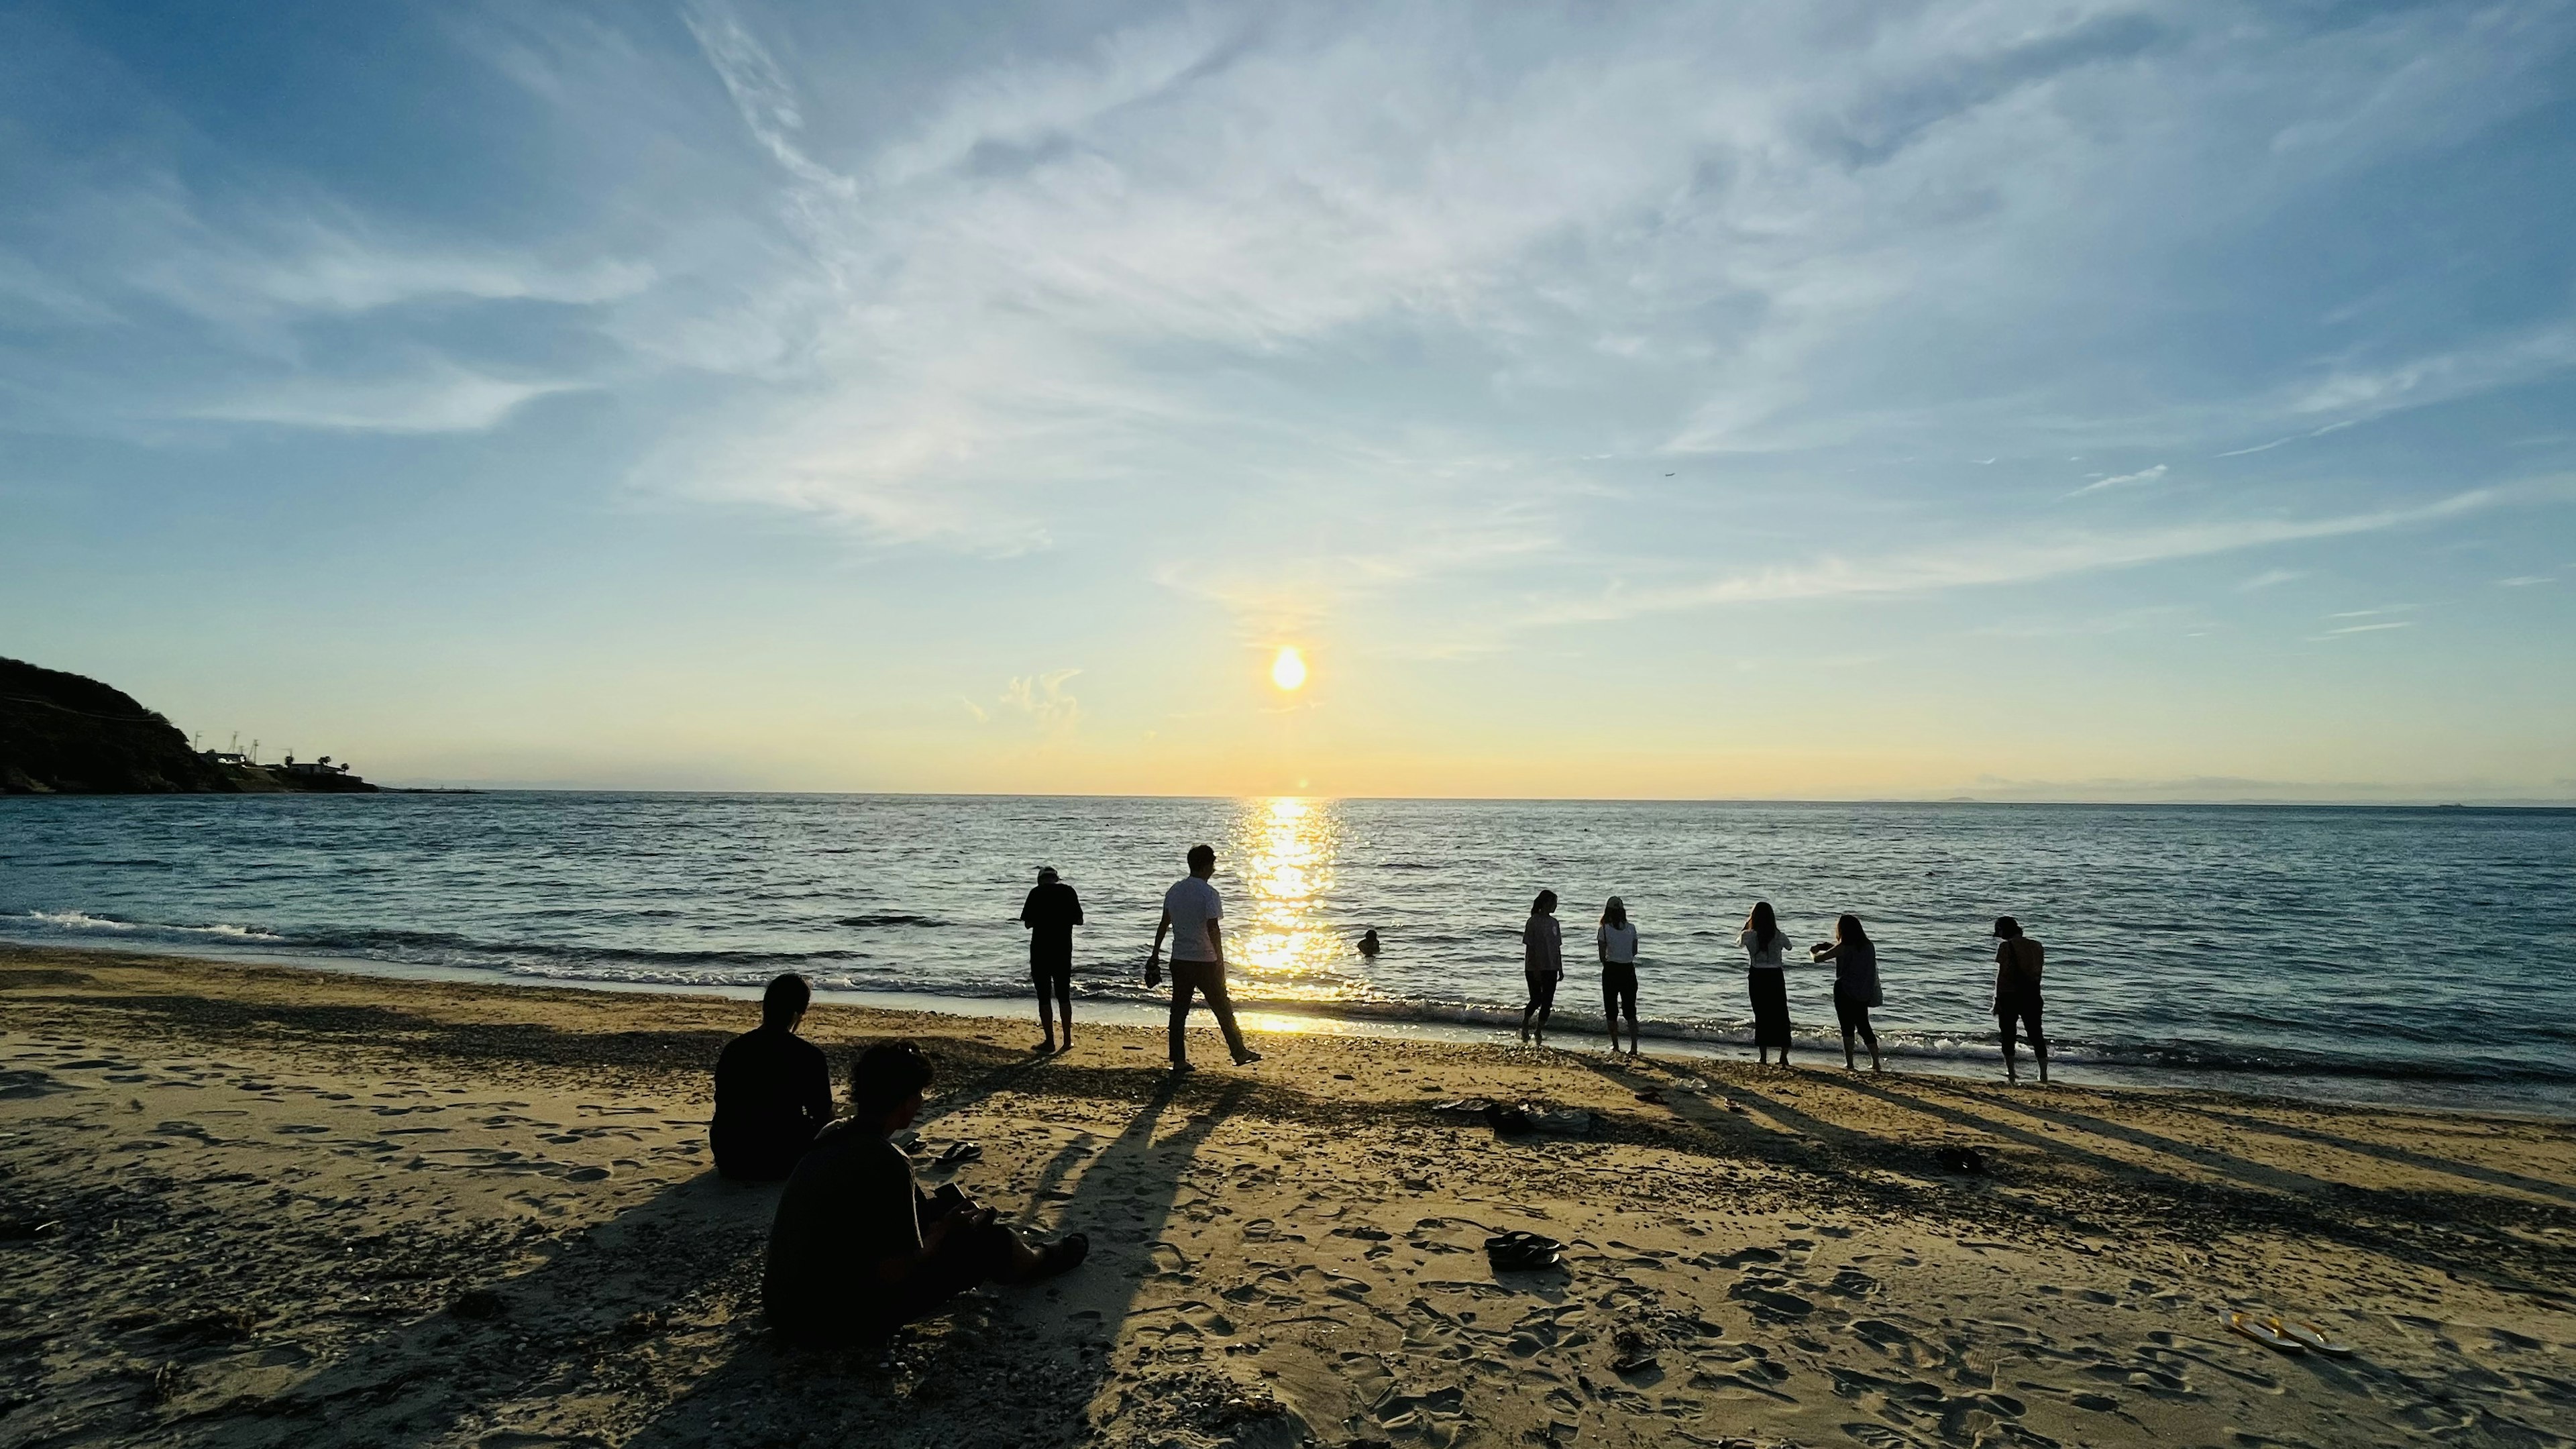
[
  {"x": 886, "y": 1083},
  {"x": 1847, "y": 931},
  {"x": 1762, "y": 923},
  {"x": 1369, "y": 935},
  {"x": 2006, "y": 928},
  {"x": 1202, "y": 861},
  {"x": 783, "y": 1004},
  {"x": 1046, "y": 875},
  {"x": 1545, "y": 905},
  {"x": 1614, "y": 913}
]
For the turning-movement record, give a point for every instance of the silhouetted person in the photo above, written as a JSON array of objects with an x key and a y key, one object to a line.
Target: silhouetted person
[
  {"x": 856, "y": 1250},
  {"x": 1542, "y": 964},
  {"x": 1855, "y": 985},
  {"x": 1190, "y": 912},
  {"x": 773, "y": 1089},
  {"x": 2018, "y": 960},
  {"x": 1369, "y": 944},
  {"x": 1050, "y": 913},
  {"x": 1617, "y": 939},
  {"x": 1763, "y": 941}
]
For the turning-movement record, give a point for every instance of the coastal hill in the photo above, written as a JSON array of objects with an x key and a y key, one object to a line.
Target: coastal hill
[{"x": 66, "y": 734}]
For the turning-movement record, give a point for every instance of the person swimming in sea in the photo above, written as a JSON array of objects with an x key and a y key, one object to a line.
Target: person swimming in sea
[{"x": 1369, "y": 943}]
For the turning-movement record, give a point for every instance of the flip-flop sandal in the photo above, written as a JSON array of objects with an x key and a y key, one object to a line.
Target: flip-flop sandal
[
  {"x": 1524, "y": 1258},
  {"x": 2308, "y": 1335},
  {"x": 2262, "y": 1332},
  {"x": 960, "y": 1152},
  {"x": 1521, "y": 1243},
  {"x": 1063, "y": 1255}
]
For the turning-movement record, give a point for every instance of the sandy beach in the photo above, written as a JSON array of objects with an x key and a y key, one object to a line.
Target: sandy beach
[{"x": 247, "y": 1205}]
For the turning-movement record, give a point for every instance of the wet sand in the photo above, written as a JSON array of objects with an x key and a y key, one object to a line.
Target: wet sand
[{"x": 255, "y": 1206}]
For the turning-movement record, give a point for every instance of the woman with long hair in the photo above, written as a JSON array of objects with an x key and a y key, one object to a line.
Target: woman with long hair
[
  {"x": 1855, "y": 985},
  {"x": 1618, "y": 941},
  {"x": 1542, "y": 963},
  {"x": 1763, "y": 942}
]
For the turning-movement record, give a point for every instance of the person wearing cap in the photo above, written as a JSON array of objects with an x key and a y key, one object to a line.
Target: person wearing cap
[
  {"x": 2018, "y": 960},
  {"x": 1050, "y": 914},
  {"x": 1618, "y": 941}
]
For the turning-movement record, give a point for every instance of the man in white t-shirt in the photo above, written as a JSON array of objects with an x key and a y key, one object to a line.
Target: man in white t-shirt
[{"x": 1190, "y": 913}]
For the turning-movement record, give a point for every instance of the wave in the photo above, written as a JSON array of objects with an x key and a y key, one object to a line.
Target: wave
[
  {"x": 848, "y": 969},
  {"x": 890, "y": 918}
]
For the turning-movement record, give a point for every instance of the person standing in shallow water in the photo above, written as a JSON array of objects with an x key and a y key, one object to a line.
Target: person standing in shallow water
[
  {"x": 1191, "y": 910},
  {"x": 1763, "y": 942},
  {"x": 2018, "y": 961},
  {"x": 773, "y": 1090},
  {"x": 1542, "y": 965},
  {"x": 1855, "y": 985},
  {"x": 1617, "y": 939},
  {"x": 1050, "y": 914}
]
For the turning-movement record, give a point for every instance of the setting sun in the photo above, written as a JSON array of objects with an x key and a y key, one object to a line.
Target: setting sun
[{"x": 1289, "y": 669}]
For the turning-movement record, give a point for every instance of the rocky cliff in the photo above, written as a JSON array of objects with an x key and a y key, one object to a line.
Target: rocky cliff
[{"x": 62, "y": 733}]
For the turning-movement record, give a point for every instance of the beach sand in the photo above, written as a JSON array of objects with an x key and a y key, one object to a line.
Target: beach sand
[{"x": 250, "y": 1205}]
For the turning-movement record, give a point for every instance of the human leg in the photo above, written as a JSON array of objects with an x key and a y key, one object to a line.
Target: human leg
[
  {"x": 1213, "y": 988},
  {"x": 2038, "y": 1043},
  {"x": 1064, "y": 1003},
  {"x": 1182, "y": 986}
]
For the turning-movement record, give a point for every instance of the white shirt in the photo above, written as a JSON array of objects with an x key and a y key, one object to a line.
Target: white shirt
[
  {"x": 1619, "y": 943},
  {"x": 1760, "y": 959},
  {"x": 1192, "y": 903}
]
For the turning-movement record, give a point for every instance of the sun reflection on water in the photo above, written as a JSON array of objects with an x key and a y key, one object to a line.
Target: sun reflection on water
[{"x": 1283, "y": 854}]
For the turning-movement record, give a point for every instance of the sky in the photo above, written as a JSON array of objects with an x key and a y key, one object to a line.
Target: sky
[{"x": 2065, "y": 401}]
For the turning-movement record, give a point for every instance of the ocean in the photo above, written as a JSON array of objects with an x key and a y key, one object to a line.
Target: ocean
[{"x": 2423, "y": 955}]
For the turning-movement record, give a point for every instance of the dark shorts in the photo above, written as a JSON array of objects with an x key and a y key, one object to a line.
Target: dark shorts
[
  {"x": 1619, "y": 987},
  {"x": 1058, "y": 979},
  {"x": 1851, "y": 1011},
  {"x": 1542, "y": 988},
  {"x": 2019, "y": 1004}
]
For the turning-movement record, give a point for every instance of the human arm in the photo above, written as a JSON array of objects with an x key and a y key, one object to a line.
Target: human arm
[
  {"x": 814, "y": 1098},
  {"x": 1154, "y": 957},
  {"x": 1029, "y": 912},
  {"x": 1076, "y": 902},
  {"x": 1601, "y": 943},
  {"x": 1216, "y": 939}
]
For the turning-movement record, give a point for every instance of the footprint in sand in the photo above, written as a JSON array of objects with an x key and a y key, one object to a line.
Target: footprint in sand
[{"x": 1770, "y": 1303}]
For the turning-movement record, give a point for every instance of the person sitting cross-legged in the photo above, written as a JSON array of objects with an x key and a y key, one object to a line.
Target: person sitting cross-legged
[
  {"x": 773, "y": 1090},
  {"x": 856, "y": 1250}
]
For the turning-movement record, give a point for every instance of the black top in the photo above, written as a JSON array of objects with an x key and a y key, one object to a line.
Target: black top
[
  {"x": 1052, "y": 911},
  {"x": 773, "y": 1093},
  {"x": 849, "y": 1206}
]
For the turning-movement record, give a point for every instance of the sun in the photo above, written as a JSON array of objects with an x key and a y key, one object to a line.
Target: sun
[{"x": 1289, "y": 669}]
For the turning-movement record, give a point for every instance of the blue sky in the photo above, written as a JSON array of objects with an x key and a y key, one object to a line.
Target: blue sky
[{"x": 2070, "y": 401}]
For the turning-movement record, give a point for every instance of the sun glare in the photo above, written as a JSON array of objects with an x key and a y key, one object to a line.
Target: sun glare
[{"x": 1288, "y": 670}]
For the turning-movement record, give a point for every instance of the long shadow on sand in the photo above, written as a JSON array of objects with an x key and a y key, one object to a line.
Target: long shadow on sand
[
  {"x": 1004, "y": 1365},
  {"x": 672, "y": 1277}
]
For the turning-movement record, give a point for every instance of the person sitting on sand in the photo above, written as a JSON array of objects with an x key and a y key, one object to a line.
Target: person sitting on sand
[
  {"x": 1855, "y": 985},
  {"x": 773, "y": 1089},
  {"x": 857, "y": 1250},
  {"x": 2018, "y": 960},
  {"x": 1191, "y": 909},
  {"x": 1763, "y": 941},
  {"x": 1618, "y": 941},
  {"x": 1542, "y": 964},
  {"x": 1050, "y": 914},
  {"x": 1369, "y": 944}
]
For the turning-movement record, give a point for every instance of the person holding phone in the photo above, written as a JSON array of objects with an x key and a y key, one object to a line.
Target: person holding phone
[
  {"x": 1855, "y": 985},
  {"x": 1542, "y": 965}
]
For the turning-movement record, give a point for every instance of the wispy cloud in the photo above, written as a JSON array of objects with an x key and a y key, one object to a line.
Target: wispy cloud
[
  {"x": 2123, "y": 480},
  {"x": 2366, "y": 629},
  {"x": 1043, "y": 698},
  {"x": 441, "y": 398},
  {"x": 2024, "y": 558},
  {"x": 2270, "y": 578}
]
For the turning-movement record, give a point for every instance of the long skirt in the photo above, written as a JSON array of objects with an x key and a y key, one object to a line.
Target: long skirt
[{"x": 1770, "y": 1008}]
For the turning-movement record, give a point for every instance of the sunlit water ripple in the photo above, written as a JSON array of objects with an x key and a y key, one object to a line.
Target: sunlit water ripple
[{"x": 2422, "y": 953}]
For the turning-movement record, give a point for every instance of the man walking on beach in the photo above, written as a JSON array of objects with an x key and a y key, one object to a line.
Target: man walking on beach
[
  {"x": 1190, "y": 912},
  {"x": 2018, "y": 960},
  {"x": 1050, "y": 914}
]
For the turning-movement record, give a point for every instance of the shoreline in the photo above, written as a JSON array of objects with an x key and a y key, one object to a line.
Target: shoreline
[
  {"x": 253, "y": 1205},
  {"x": 2465, "y": 1095}
]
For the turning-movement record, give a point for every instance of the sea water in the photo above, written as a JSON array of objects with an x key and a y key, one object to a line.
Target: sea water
[{"x": 2416, "y": 954}]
